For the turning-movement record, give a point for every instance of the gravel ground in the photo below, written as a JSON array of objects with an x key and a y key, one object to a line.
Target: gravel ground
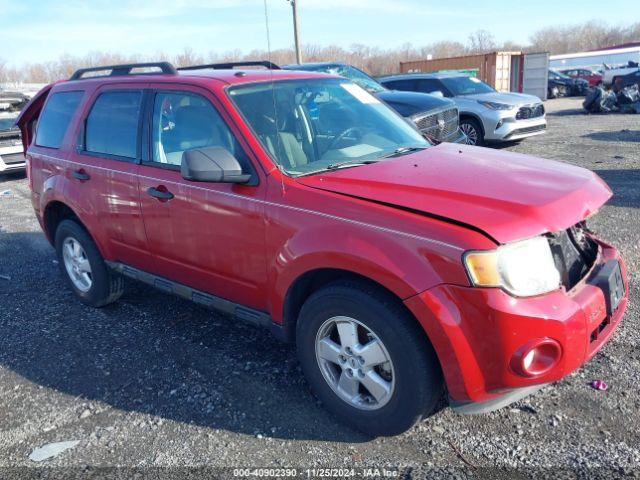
[{"x": 154, "y": 381}]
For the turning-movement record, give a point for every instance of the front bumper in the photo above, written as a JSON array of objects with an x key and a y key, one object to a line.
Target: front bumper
[
  {"x": 476, "y": 332},
  {"x": 501, "y": 126},
  {"x": 457, "y": 137}
]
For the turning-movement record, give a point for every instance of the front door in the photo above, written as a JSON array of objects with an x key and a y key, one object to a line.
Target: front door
[{"x": 210, "y": 236}]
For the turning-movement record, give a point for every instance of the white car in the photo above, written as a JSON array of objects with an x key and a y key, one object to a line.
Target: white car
[
  {"x": 610, "y": 74},
  {"x": 11, "y": 153},
  {"x": 486, "y": 115}
]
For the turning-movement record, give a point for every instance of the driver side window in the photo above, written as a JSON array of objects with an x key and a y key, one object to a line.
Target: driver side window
[{"x": 185, "y": 121}]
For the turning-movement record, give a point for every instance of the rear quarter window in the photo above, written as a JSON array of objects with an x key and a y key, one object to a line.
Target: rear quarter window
[
  {"x": 406, "y": 85},
  {"x": 112, "y": 124},
  {"x": 55, "y": 118}
]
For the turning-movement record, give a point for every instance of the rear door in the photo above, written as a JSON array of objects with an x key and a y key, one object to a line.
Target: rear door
[
  {"x": 209, "y": 236},
  {"x": 432, "y": 86},
  {"x": 406, "y": 85},
  {"x": 103, "y": 171}
]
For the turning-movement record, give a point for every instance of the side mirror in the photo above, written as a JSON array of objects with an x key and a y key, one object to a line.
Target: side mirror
[
  {"x": 437, "y": 93},
  {"x": 212, "y": 164}
]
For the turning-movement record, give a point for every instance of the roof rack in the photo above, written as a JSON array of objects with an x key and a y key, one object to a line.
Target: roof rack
[
  {"x": 117, "y": 70},
  {"x": 231, "y": 65}
]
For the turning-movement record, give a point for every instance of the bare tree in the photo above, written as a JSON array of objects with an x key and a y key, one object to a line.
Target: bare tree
[
  {"x": 3, "y": 70},
  {"x": 587, "y": 36},
  {"x": 375, "y": 60},
  {"x": 482, "y": 41},
  {"x": 188, "y": 57}
]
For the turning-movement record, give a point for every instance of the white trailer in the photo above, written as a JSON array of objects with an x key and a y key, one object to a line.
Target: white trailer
[{"x": 613, "y": 58}]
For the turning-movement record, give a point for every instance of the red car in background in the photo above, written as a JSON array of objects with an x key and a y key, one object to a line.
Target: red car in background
[{"x": 592, "y": 76}]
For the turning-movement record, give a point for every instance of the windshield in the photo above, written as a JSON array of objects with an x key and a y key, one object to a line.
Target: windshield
[
  {"x": 555, "y": 74},
  {"x": 466, "y": 85},
  {"x": 313, "y": 124}
]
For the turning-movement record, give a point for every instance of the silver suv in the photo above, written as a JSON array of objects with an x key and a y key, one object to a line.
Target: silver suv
[{"x": 486, "y": 115}]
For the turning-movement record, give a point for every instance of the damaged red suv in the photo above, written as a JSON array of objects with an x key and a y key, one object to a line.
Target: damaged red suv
[{"x": 299, "y": 202}]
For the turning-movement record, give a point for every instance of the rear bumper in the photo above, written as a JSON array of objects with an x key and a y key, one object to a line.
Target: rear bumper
[
  {"x": 12, "y": 161},
  {"x": 477, "y": 331}
]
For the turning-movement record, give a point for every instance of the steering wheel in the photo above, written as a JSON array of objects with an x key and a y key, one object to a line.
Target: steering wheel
[{"x": 342, "y": 136}]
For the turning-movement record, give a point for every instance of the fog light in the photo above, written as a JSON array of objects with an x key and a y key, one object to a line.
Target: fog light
[
  {"x": 527, "y": 361},
  {"x": 536, "y": 358}
]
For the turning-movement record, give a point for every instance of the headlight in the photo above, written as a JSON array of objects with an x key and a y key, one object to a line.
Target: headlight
[
  {"x": 496, "y": 106},
  {"x": 523, "y": 268}
]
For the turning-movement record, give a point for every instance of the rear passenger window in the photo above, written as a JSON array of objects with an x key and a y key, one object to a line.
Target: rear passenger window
[
  {"x": 112, "y": 124},
  {"x": 54, "y": 119},
  {"x": 186, "y": 121},
  {"x": 407, "y": 85},
  {"x": 426, "y": 85}
]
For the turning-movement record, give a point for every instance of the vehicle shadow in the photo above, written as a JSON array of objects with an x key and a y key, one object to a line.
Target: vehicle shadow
[
  {"x": 624, "y": 183},
  {"x": 151, "y": 353},
  {"x": 566, "y": 112},
  {"x": 12, "y": 176},
  {"x": 624, "y": 135}
]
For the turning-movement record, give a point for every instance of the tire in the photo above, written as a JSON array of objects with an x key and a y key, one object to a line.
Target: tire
[
  {"x": 97, "y": 287},
  {"x": 592, "y": 99},
  {"x": 554, "y": 92},
  {"x": 413, "y": 371},
  {"x": 473, "y": 131}
]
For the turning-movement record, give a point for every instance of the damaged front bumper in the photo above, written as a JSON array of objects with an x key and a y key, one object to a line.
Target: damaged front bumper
[{"x": 480, "y": 334}]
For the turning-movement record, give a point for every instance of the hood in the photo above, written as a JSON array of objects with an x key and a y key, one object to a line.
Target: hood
[
  {"x": 508, "y": 98},
  {"x": 411, "y": 103},
  {"x": 562, "y": 81},
  {"x": 506, "y": 195}
]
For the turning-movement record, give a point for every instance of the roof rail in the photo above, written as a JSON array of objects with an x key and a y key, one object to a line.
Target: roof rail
[
  {"x": 117, "y": 70},
  {"x": 231, "y": 65}
]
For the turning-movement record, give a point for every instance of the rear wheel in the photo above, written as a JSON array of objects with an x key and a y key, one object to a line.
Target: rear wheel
[
  {"x": 366, "y": 358},
  {"x": 83, "y": 267},
  {"x": 472, "y": 130}
]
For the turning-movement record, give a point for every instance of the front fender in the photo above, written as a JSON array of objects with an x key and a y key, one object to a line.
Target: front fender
[{"x": 378, "y": 256}]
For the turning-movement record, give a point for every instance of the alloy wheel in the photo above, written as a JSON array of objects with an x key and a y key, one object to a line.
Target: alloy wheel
[
  {"x": 77, "y": 264},
  {"x": 355, "y": 363},
  {"x": 471, "y": 133}
]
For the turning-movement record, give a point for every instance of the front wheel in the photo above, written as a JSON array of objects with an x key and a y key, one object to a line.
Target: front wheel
[
  {"x": 471, "y": 128},
  {"x": 366, "y": 358}
]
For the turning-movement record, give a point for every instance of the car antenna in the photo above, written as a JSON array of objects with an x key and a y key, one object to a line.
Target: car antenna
[{"x": 273, "y": 95}]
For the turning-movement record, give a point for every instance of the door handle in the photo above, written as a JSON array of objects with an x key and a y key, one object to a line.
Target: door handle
[
  {"x": 81, "y": 175},
  {"x": 160, "y": 194}
]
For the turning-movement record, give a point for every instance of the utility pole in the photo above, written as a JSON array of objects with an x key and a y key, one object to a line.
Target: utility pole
[{"x": 294, "y": 7}]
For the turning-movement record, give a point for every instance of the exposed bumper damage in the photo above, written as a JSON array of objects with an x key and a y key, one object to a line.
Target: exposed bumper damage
[
  {"x": 600, "y": 100},
  {"x": 478, "y": 332}
]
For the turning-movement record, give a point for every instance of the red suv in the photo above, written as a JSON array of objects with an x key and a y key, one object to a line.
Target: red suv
[{"x": 301, "y": 203}]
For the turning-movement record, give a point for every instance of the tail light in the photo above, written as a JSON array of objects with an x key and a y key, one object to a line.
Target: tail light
[{"x": 29, "y": 174}]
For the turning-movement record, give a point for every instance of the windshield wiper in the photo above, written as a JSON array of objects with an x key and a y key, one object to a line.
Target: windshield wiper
[
  {"x": 402, "y": 151},
  {"x": 337, "y": 166},
  {"x": 352, "y": 163}
]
